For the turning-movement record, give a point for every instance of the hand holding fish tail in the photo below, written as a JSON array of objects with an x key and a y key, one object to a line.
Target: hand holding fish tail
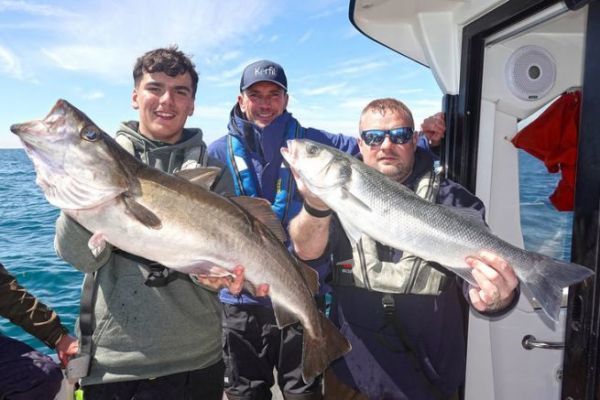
[{"x": 496, "y": 282}]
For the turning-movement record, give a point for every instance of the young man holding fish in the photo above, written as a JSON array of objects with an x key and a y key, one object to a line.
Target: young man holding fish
[
  {"x": 401, "y": 314},
  {"x": 259, "y": 126},
  {"x": 156, "y": 334}
]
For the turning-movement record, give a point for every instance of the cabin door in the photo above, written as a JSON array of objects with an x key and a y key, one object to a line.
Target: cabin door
[{"x": 520, "y": 356}]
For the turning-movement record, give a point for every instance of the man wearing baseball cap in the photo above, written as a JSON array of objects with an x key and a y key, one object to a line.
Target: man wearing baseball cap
[{"x": 259, "y": 126}]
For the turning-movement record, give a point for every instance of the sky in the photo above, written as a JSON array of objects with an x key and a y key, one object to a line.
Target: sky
[{"x": 84, "y": 51}]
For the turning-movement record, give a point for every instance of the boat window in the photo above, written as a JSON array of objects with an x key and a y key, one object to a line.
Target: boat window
[{"x": 545, "y": 229}]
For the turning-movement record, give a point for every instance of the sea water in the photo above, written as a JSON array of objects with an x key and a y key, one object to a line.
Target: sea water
[
  {"x": 26, "y": 245},
  {"x": 27, "y": 233}
]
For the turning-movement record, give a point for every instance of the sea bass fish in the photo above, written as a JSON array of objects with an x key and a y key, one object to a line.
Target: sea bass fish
[
  {"x": 367, "y": 202},
  {"x": 167, "y": 219}
]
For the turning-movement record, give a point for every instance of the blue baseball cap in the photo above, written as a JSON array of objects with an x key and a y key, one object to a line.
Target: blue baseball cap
[{"x": 263, "y": 71}]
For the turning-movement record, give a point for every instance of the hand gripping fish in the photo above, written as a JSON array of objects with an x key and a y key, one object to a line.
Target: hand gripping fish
[
  {"x": 367, "y": 202},
  {"x": 167, "y": 219}
]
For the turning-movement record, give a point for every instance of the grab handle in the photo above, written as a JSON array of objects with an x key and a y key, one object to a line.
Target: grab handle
[{"x": 529, "y": 342}]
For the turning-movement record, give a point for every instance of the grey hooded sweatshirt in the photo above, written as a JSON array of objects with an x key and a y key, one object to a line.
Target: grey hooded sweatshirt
[{"x": 142, "y": 332}]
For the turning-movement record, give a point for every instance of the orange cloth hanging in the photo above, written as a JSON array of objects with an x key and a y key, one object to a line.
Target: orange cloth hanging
[{"x": 552, "y": 138}]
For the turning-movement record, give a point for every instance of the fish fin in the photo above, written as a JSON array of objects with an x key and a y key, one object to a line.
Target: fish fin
[
  {"x": 347, "y": 195},
  {"x": 97, "y": 244},
  {"x": 311, "y": 277},
  {"x": 354, "y": 234},
  {"x": 141, "y": 213},
  {"x": 203, "y": 268},
  {"x": 319, "y": 352},
  {"x": 546, "y": 278},
  {"x": 464, "y": 273},
  {"x": 203, "y": 176},
  {"x": 261, "y": 210},
  {"x": 283, "y": 316}
]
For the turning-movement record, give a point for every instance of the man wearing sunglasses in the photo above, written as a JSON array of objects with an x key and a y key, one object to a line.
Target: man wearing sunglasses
[{"x": 408, "y": 341}]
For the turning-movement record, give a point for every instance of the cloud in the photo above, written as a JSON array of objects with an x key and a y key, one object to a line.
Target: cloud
[
  {"x": 95, "y": 95},
  {"x": 350, "y": 33},
  {"x": 213, "y": 111},
  {"x": 330, "y": 12},
  {"x": 305, "y": 37},
  {"x": 348, "y": 70},
  {"x": 273, "y": 38},
  {"x": 229, "y": 77},
  {"x": 346, "y": 123},
  {"x": 107, "y": 37},
  {"x": 10, "y": 64},
  {"x": 421, "y": 109},
  {"x": 356, "y": 103},
  {"x": 211, "y": 118},
  {"x": 108, "y": 63},
  {"x": 360, "y": 69},
  {"x": 407, "y": 91},
  {"x": 334, "y": 89},
  {"x": 427, "y": 103},
  {"x": 424, "y": 108},
  {"x": 221, "y": 58},
  {"x": 30, "y": 8}
]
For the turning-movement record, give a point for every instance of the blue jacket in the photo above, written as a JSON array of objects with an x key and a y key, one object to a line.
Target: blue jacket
[{"x": 263, "y": 147}]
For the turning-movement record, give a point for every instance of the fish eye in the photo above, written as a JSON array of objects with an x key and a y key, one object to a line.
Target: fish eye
[
  {"x": 90, "y": 134},
  {"x": 312, "y": 149}
]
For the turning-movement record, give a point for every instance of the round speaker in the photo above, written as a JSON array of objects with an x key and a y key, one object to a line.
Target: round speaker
[{"x": 530, "y": 72}]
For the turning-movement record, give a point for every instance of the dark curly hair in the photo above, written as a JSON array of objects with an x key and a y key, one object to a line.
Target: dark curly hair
[{"x": 171, "y": 61}]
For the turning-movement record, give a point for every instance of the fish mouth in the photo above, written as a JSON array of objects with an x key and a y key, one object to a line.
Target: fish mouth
[
  {"x": 28, "y": 129},
  {"x": 43, "y": 150},
  {"x": 17, "y": 129},
  {"x": 35, "y": 140},
  {"x": 290, "y": 154},
  {"x": 286, "y": 153}
]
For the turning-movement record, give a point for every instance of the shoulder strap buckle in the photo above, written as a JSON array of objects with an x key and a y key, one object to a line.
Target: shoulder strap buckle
[
  {"x": 389, "y": 306},
  {"x": 158, "y": 275}
]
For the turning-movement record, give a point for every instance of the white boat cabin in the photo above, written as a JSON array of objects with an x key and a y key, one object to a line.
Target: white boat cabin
[{"x": 499, "y": 64}]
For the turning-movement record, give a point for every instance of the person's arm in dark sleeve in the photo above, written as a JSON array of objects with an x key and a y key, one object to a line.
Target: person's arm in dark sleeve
[{"x": 25, "y": 310}]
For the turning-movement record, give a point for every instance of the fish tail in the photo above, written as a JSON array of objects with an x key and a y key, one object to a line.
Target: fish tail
[
  {"x": 319, "y": 352},
  {"x": 548, "y": 277}
]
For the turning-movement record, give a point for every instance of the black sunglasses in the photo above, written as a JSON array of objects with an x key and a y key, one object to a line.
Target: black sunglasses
[{"x": 374, "y": 137}]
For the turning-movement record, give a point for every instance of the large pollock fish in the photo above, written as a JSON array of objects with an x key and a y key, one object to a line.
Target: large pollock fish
[
  {"x": 368, "y": 202},
  {"x": 167, "y": 219}
]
